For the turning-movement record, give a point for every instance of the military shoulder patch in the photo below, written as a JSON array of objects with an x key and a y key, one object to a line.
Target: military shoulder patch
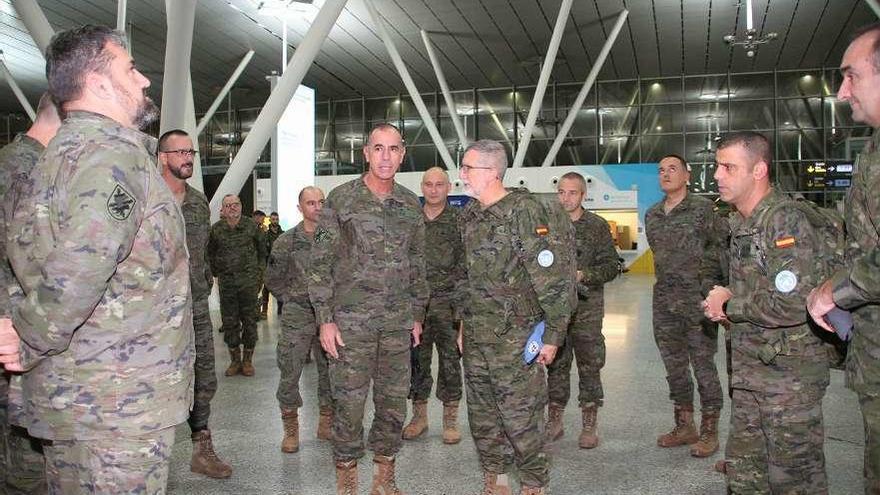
[
  {"x": 542, "y": 230},
  {"x": 120, "y": 203},
  {"x": 785, "y": 242}
]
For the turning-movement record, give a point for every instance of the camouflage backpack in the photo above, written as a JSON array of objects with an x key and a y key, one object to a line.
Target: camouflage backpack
[{"x": 829, "y": 226}]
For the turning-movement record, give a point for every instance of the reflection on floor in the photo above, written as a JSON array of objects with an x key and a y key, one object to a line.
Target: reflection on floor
[{"x": 247, "y": 431}]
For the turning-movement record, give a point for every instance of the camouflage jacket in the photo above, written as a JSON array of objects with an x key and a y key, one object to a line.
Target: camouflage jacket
[
  {"x": 237, "y": 254},
  {"x": 857, "y": 287},
  {"x": 772, "y": 269},
  {"x": 519, "y": 272},
  {"x": 288, "y": 266},
  {"x": 98, "y": 246},
  {"x": 596, "y": 258},
  {"x": 272, "y": 235},
  {"x": 16, "y": 161},
  {"x": 368, "y": 262},
  {"x": 198, "y": 225},
  {"x": 444, "y": 255},
  {"x": 687, "y": 244}
]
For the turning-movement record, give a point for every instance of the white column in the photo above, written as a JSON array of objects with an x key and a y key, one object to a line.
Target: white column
[
  {"x": 447, "y": 95},
  {"x": 35, "y": 21},
  {"x": 543, "y": 79},
  {"x": 588, "y": 84},
  {"x": 180, "y": 16},
  {"x": 411, "y": 88},
  {"x": 271, "y": 112},
  {"x": 15, "y": 89}
]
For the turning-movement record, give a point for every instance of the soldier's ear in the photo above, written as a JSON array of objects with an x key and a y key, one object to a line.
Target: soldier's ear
[
  {"x": 760, "y": 170},
  {"x": 98, "y": 85}
]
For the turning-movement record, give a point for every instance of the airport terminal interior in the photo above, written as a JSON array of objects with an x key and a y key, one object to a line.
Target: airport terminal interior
[{"x": 605, "y": 90}]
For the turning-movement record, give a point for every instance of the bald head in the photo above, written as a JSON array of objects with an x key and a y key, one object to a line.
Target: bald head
[
  {"x": 311, "y": 201},
  {"x": 435, "y": 187}
]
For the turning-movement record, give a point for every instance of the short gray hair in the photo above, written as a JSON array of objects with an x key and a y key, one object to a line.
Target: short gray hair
[{"x": 493, "y": 153}]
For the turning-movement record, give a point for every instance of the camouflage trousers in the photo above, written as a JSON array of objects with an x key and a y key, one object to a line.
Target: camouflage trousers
[
  {"x": 299, "y": 335},
  {"x": 506, "y": 400},
  {"x": 775, "y": 444},
  {"x": 205, "y": 375},
  {"x": 383, "y": 358},
  {"x": 130, "y": 465},
  {"x": 440, "y": 330},
  {"x": 870, "y": 406},
  {"x": 22, "y": 467},
  {"x": 238, "y": 310},
  {"x": 585, "y": 343},
  {"x": 688, "y": 341}
]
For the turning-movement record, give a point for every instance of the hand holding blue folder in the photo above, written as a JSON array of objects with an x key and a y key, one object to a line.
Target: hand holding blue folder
[{"x": 534, "y": 344}]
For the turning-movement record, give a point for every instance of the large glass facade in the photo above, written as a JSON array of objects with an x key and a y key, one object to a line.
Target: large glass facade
[{"x": 621, "y": 121}]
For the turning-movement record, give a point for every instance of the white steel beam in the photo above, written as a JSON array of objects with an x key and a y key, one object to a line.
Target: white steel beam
[
  {"x": 15, "y": 89},
  {"x": 447, "y": 95},
  {"x": 35, "y": 21},
  {"x": 222, "y": 95}
]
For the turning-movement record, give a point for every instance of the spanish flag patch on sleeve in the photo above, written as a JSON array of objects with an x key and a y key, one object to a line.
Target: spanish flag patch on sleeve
[
  {"x": 542, "y": 230},
  {"x": 785, "y": 242}
]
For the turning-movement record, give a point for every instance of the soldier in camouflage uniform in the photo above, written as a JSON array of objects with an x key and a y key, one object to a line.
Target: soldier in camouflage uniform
[
  {"x": 520, "y": 271},
  {"x": 596, "y": 265},
  {"x": 367, "y": 284},
  {"x": 236, "y": 254},
  {"x": 273, "y": 231},
  {"x": 176, "y": 161},
  {"x": 857, "y": 288},
  {"x": 444, "y": 258},
  {"x": 686, "y": 236},
  {"x": 104, "y": 311},
  {"x": 780, "y": 366},
  {"x": 286, "y": 279},
  {"x": 24, "y": 456}
]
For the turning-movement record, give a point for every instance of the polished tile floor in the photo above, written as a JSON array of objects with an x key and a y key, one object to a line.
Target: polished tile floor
[{"x": 247, "y": 429}]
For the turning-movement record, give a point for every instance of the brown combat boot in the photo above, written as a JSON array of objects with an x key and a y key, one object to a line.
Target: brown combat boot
[
  {"x": 347, "y": 478},
  {"x": 708, "y": 443},
  {"x": 247, "y": 365},
  {"x": 553, "y": 429},
  {"x": 684, "y": 433},
  {"x": 589, "y": 439},
  {"x": 419, "y": 422},
  {"x": 531, "y": 490},
  {"x": 325, "y": 423},
  {"x": 290, "y": 421},
  {"x": 235, "y": 364},
  {"x": 205, "y": 460},
  {"x": 495, "y": 484},
  {"x": 383, "y": 476},
  {"x": 451, "y": 435}
]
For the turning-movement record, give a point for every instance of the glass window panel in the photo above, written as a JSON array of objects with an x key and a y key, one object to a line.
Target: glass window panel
[
  {"x": 838, "y": 113},
  {"x": 323, "y": 138},
  {"x": 751, "y": 115},
  {"x": 585, "y": 124},
  {"x": 799, "y": 113},
  {"x": 656, "y": 147},
  {"x": 751, "y": 86},
  {"x": 706, "y": 88},
  {"x": 786, "y": 176},
  {"x": 622, "y": 149},
  {"x": 659, "y": 119},
  {"x": 321, "y": 109},
  {"x": 346, "y": 134},
  {"x": 706, "y": 117},
  {"x": 845, "y": 143},
  {"x": 415, "y": 132},
  {"x": 495, "y": 126},
  {"x": 419, "y": 158},
  {"x": 567, "y": 93},
  {"x": 661, "y": 90},
  {"x": 464, "y": 102},
  {"x": 495, "y": 100},
  {"x": 348, "y": 110},
  {"x": 578, "y": 151},
  {"x": 799, "y": 83},
  {"x": 618, "y": 93},
  {"x": 408, "y": 108},
  {"x": 538, "y": 149},
  {"x": 447, "y": 128},
  {"x": 383, "y": 109},
  {"x": 700, "y": 147},
  {"x": 831, "y": 81},
  {"x": 618, "y": 121},
  {"x": 801, "y": 144},
  {"x": 702, "y": 178},
  {"x": 525, "y": 95}
]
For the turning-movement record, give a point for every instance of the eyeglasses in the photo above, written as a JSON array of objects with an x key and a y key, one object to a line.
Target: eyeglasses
[
  {"x": 183, "y": 153},
  {"x": 230, "y": 205},
  {"x": 468, "y": 168}
]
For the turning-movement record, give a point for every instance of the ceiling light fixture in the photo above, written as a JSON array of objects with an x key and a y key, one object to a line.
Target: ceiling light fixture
[{"x": 752, "y": 41}]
